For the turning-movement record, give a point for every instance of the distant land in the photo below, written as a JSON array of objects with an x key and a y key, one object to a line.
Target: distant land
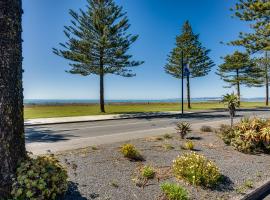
[{"x": 94, "y": 101}]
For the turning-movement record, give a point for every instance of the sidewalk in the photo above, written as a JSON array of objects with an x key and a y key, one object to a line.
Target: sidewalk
[{"x": 62, "y": 120}]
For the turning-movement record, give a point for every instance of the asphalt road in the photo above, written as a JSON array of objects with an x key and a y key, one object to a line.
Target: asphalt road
[{"x": 59, "y": 137}]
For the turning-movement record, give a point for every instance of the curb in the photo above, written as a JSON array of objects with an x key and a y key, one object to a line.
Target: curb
[
  {"x": 259, "y": 193},
  {"x": 97, "y": 120}
]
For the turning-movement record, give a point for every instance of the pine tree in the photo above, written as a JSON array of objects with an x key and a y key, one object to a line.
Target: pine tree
[
  {"x": 257, "y": 13},
  {"x": 12, "y": 144},
  {"x": 239, "y": 69},
  {"x": 195, "y": 56},
  {"x": 263, "y": 64},
  {"x": 98, "y": 42}
]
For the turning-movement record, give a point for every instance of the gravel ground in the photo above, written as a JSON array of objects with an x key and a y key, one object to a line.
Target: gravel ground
[{"x": 102, "y": 173}]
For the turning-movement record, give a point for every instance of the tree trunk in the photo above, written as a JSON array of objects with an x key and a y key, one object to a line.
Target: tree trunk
[
  {"x": 266, "y": 80},
  {"x": 188, "y": 92},
  {"x": 101, "y": 84},
  {"x": 12, "y": 141},
  {"x": 267, "y": 90},
  {"x": 238, "y": 86}
]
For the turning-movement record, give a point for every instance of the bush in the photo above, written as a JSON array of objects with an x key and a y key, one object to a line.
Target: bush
[
  {"x": 248, "y": 136},
  {"x": 206, "y": 129},
  {"x": 174, "y": 191},
  {"x": 183, "y": 128},
  {"x": 130, "y": 151},
  {"x": 196, "y": 169},
  {"x": 41, "y": 178},
  {"x": 148, "y": 172},
  {"x": 167, "y": 136},
  {"x": 189, "y": 145}
]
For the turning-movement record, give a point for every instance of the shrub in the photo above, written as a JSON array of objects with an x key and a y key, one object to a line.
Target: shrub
[
  {"x": 183, "y": 128},
  {"x": 174, "y": 191},
  {"x": 206, "y": 129},
  {"x": 196, "y": 169},
  {"x": 130, "y": 151},
  {"x": 148, "y": 172},
  {"x": 248, "y": 136},
  {"x": 167, "y": 136},
  {"x": 41, "y": 178},
  {"x": 189, "y": 145},
  {"x": 168, "y": 147}
]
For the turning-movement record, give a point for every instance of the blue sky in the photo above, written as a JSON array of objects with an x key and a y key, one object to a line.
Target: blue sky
[{"x": 156, "y": 21}]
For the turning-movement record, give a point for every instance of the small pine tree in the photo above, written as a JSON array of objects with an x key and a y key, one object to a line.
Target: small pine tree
[
  {"x": 195, "y": 55},
  {"x": 239, "y": 69},
  {"x": 98, "y": 42}
]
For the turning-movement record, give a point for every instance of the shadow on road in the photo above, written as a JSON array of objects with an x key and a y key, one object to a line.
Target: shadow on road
[{"x": 37, "y": 134}]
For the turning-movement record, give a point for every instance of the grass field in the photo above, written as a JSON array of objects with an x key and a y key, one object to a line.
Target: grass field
[{"x": 67, "y": 110}]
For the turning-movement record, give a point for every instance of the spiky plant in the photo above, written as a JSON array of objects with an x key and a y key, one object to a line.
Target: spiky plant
[
  {"x": 183, "y": 128},
  {"x": 232, "y": 101},
  {"x": 265, "y": 136},
  {"x": 252, "y": 136}
]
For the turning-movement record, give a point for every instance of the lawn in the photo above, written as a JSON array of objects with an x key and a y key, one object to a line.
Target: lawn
[{"x": 68, "y": 110}]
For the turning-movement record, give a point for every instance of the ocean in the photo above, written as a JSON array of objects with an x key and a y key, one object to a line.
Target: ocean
[{"x": 89, "y": 101}]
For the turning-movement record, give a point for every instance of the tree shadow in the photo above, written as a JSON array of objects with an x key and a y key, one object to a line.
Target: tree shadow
[
  {"x": 73, "y": 192},
  {"x": 225, "y": 185},
  {"x": 37, "y": 134}
]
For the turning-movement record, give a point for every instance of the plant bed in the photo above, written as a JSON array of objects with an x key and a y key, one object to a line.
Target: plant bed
[{"x": 106, "y": 174}]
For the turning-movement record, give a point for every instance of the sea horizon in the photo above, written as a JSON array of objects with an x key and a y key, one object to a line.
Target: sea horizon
[{"x": 170, "y": 100}]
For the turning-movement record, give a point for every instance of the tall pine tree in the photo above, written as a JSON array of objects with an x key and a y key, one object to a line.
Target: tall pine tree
[
  {"x": 238, "y": 69},
  {"x": 12, "y": 144},
  {"x": 195, "y": 56},
  {"x": 263, "y": 64},
  {"x": 257, "y": 14},
  {"x": 98, "y": 42}
]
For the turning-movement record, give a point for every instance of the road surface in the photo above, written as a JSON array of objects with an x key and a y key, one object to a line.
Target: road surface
[{"x": 61, "y": 137}]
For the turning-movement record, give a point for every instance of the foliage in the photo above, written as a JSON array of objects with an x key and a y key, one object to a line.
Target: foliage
[
  {"x": 189, "y": 145},
  {"x": 239, "y": 69},
  {"x": 130, "y": 151},
  {"x": 196, "y": 169},
  {"x": 167, "y": 136},
  {"x": 98, "y": 42},
  {"x": 249, "y": 135},
  {"x": 183, "y": 128},
  {"x": 195, "y": 55},
  {"x": 206, "y": 129},
  {"x": 174, "y": 191},
  {"x": 168, "y": 147},
  {"x": 40, "y": 178},
  {"x": 232, "y": 101},
  {"x": 256, "y": 13},
  {"x": 148, "y": 172}
]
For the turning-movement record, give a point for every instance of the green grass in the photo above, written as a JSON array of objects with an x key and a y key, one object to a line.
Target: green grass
[{"x": 68, "y": 110}]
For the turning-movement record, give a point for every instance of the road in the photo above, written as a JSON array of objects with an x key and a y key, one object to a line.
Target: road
[{"x": 61, "y": 137}]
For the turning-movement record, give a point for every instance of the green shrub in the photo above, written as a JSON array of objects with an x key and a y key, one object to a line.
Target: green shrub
[
  {"x": 174, "y": 191},
  {"x": 148, "y": 172},
  {"x": 168, "y": 147},
  {"x": 248, "y": 136},
  {"x": 196, "y": 169},
  {"x": 167, "y": 136},
  {"x": 189, "y": 145},
  {"x": 41, "y": 178},
  {"x": 183, "y": 128},
  {"x": 130, "y": 151},
  {"x": 206, "y": 129}
]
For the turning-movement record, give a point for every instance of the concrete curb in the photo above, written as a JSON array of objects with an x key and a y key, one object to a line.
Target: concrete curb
[
  {"x": 107, "y": 119},
  {"x": 259, "y": 193}
]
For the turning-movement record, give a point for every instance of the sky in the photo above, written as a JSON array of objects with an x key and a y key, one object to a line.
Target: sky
[{"x": 157, "y": 22}]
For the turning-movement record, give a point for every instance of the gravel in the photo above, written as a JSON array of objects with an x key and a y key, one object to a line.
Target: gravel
[{"x": 102, "y": 173}]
